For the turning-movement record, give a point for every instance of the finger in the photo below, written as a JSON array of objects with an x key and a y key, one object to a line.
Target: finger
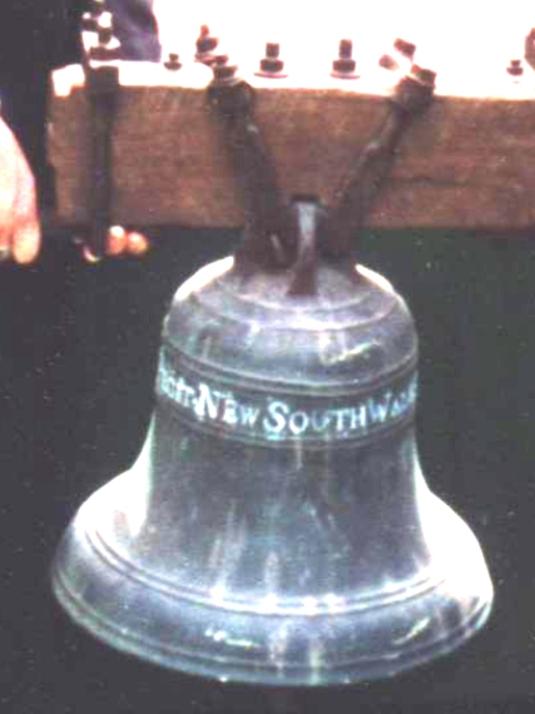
[
  {"x": 5, "y": 253},
  {"x": 26, "y": 238},
  {"x": 138, "y": 244},
  {"x": 8, "y": 184},
  {"x": 26, "y": 243},
  {"x": 116, "y": 241},
  {"x": 89, "y": 256}
]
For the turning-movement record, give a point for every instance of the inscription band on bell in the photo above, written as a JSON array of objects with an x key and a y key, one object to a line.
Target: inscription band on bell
[{"x": 248, "y": 414}]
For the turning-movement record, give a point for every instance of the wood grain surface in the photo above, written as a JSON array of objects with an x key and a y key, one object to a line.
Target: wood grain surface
[{"x": 469, "y": 162}]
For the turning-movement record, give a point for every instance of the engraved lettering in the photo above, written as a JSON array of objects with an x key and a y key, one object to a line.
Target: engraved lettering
[
  {"x": 298, "y": 422},
  {"x": 230, "y": 411},
  {"x": 275, "y": 421},
  {"x": 186, "y": 394},
  {"x": 183, "y": 392},
  {"x": 358, "y": 417},
  {"x": 340, "y": 419},
  {"x": 249, "y": 415},
  {"x": 321, "y": 420},
  {"x": 207, "y": 402},
  {"x": 378, "y": 411},
  {"x": 397, "y": 407},
  {"x": 272, "y": 418}
]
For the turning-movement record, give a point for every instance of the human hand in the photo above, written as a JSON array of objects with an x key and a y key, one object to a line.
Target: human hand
[
  {"x": 20, "y": 234},
  {"x": 120, "y": 241}
]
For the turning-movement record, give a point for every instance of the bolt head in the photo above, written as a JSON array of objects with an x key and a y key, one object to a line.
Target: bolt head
[
  {"x": 388, "y": 62},
  {"x": 205, "y": 44},
  {"x": 224, "y": 73},
  {"x": 89, "y": 22},
  {"x": 344, "y": 69},
  {"x": 529, "y": 48},
  {"x": 515, "y": 68},
  {"x": 271, "y": 65},
  {"x": 407, "y": 49},
  {"x": 173, "y": 61},
  {"x": 423, "y": 76},
  {"x": 106, "y": 52},
  {"x": 97, "y": 6}
]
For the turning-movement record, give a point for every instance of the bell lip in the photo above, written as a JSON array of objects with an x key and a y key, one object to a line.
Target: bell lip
[
  {"x": 225, "y": 670},
  {"x": 363, "y": 604}
]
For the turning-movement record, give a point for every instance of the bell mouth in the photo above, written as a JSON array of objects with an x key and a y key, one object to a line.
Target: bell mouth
[{"x": 372, "y": 637}]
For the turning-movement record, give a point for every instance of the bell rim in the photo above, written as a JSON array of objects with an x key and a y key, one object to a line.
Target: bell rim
[{"x": 349, "y": 672}]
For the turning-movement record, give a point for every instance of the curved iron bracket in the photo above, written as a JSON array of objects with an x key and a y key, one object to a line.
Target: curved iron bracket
[
  {"x": 354, "y": 198},
  {"x": 281, "y": 234},
  {"x": 268, "y": 238}
]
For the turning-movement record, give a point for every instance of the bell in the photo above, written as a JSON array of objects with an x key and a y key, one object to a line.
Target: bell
[{"x": 277, "y": 527}]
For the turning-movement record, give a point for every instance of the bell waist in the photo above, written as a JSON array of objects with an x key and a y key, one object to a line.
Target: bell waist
[{"x": 238, "y": 408}]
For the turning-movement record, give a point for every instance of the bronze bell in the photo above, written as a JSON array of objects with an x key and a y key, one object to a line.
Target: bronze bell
[{"x": 276, "y": 527}]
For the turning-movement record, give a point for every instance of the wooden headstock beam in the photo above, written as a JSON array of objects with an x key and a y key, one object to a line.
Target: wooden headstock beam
[{"x": 468, "y": 163}]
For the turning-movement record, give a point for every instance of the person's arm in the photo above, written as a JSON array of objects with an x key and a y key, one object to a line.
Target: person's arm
[
  {"x": 35, "y": 37},
  {"x": 20, "y": 234}
]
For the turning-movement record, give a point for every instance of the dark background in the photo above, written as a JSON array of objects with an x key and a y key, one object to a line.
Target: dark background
[{"x": 78, "y": 353}]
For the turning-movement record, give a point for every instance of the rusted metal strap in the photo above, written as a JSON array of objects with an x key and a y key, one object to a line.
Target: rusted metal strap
[
  {"x": 102, "y": 83},
  {"x": 286, "y": 233},
  {"x": 268, "y": 238},
  {"x": 357, "y": 192}
]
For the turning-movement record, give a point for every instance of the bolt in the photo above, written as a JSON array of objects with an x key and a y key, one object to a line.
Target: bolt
[
  {"x": 415, "y": 91},
  {"x": 407, "y": 49},
  {"x": 206, "y": 44},
  {"x": 344, "y": 66},
  {"x": 96, "y": 7},
  {"x": 388, "y": 62},
  {"x": 271, "y": 65},
  {"x": 108, "y": 48},
  {"x": 89, "y": 19},
  {"x": 515, "y": 68},
  {"x": 173, "y": 61},
  {"x": 423, "y": 76},
  {"x": 224, "y": 73},
  {"x": 89, "y": 23},
  {"x": 105, "y": 27},
  {"x": 529, "y": 48}
]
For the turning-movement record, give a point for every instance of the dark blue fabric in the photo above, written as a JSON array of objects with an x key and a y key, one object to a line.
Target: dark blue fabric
[{"x": 136, "y": 28}]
